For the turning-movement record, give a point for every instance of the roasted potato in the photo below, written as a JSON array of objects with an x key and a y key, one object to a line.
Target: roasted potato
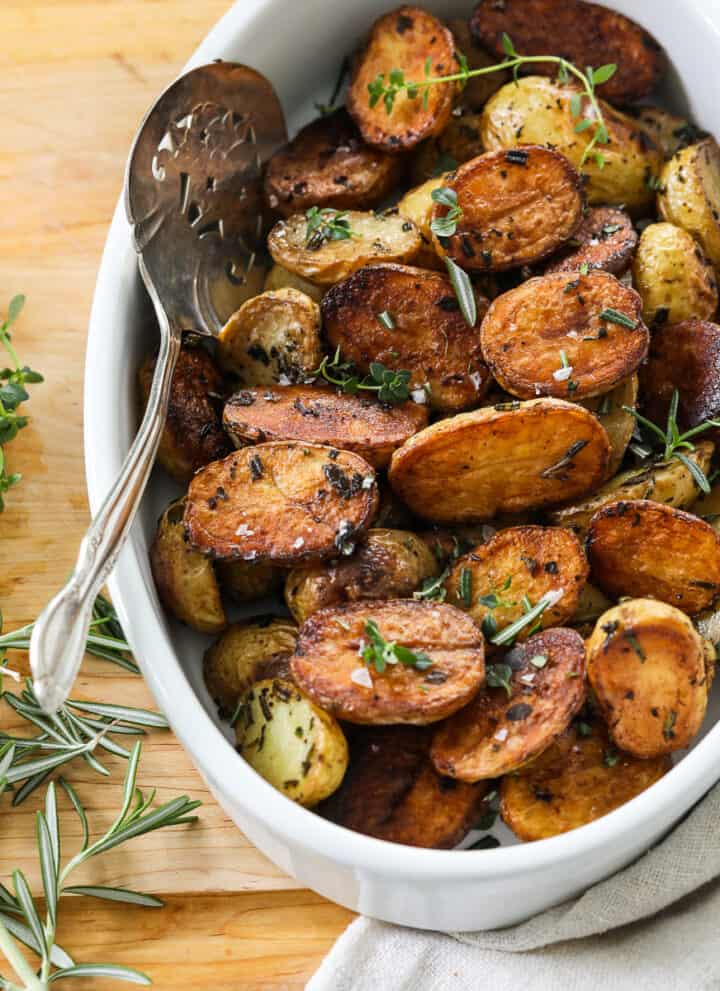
[
  {"x": 406, "y": 37},
  {"x": 618, "y": 423},
  {"x": 289, "y": 741},
  {"x": 246, "y": 653},
  {"x": 325, "y": 260},
  {"x": 565, "y": 335},
  {"x": 673, "y": 276},
  {"x": 193, "y": 435},
  {"x": 459, "y": 142},
  {"x": 430, "y": 338},
  {"x": 417, "y": 205},
  {"x": 605, "y": 239},
  {"x": 646, "y": 665},
  {"x": 671, "y": 133},
  {"x": 392, "y": 791},
  {"x": 478, "y": 90},
  {"x": 387, "y": 564},
  {"x": 245, "y": 582},
  {"x": 184, "y": 578},
  {"x": 518, "y": 206},
  {"x": 281, "y": 503},
  {"x": 642, "y": 548},
  {"x": 503, "y": 728},
  {"x": 328, "y": 662},
  {"x": 274, "y": 337},
  {"x": 520, "y": 564},
  {"x": 537, "y": 111},
  {"x": 500, "y": 459},
  {"x": 580, "y": 778},
  {"x": 689, "y": 194},
  {"x": 591, "y": 604},
  {"x": 282, "y": 278},
  {"x": 685, "y": 357},
  {"x": 323, "y": 416}
]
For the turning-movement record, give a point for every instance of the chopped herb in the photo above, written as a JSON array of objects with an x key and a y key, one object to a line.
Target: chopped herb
[
  {"x": 256, "y": 467},
  {"x": 517, "y": 156},
  {"x": 634, "y": 643},
  {"x": 539, "y": 661},
  {"x": 518, "y": 712},
  {"x": 380, "y": 652},
  {"x": 610, "y": 758},
  {"x": 499, "y": 676},
  {"x": 615, "y": 316},
  {"x": 385, "y": 319},
  {"x": 584, "y": 268},
  {"x": 325, "y": 224},
  {"x": 465, "y": 587},
  {"x": 446, "y": 225},
  {"x": 433, "y": 589},
  {"x": 463, "y": 289},
  {"x": 584, "y": 729},
  {"x": 557, "y": 470},
  {"x": 669, "y": 725},
  {"x": 489, "y": 626},
  {"x": 510, "y": 632}
]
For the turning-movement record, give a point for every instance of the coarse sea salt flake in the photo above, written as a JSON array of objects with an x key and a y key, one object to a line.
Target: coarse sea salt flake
[
  {"x": 527, "y": 679},
  {"x": 419, "y": 396},
  {"x": 501, "y": 735},
  {"x": 299, "y": 543},
  {"x": 562, "y": 374},
  {"x": 361, "y": 676},
  {"x": 244, "y": 531}
]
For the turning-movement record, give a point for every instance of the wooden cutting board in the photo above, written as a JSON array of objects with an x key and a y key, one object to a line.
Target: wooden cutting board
[{"x": 76, "y": 77}]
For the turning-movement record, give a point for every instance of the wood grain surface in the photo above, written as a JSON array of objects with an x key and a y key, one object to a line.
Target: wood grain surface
[{"x": 76, "y": 77}]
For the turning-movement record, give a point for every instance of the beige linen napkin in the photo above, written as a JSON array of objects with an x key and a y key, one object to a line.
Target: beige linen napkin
[{"x": 629, "y": 933}]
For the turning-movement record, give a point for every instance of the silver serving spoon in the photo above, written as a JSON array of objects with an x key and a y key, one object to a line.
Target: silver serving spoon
[{"x": 193, "y": 194}]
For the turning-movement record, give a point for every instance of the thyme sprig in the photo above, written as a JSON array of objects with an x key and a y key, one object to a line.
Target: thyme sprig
[
  {"x": 391, "y": 386},
  {"x": 379, "y": 652},
  {"x": 446, "y": 225},
  {"x": 326, "y": 224}
]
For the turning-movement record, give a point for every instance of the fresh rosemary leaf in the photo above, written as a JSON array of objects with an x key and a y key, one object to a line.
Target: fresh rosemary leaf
[
  {"x": 127, "y": 974},
  {"x": 615, "y": 316},
  {"x": 508, "y": 634},
  {"x": 463, "y": 289},
  {"x": 115, "y": 895}
]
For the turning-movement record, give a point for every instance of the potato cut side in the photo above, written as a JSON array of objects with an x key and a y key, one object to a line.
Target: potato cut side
[
  {"x": 417, "y": 205},
  {"x": 387, "y": 564},
  {"x": 459, "y": 142},
  {"x": 282, "y": 278},
  {"x": 324, "y": 416},
  {"x": 405, "y": 38},
  {"x": 478, "y": 90},
  {"x": 642, "y": 548},
  {"x": 323, "y": 260},
  {"x": 429, "y": 336},
  {"x": 289, "y": 741},
  {"x": 686, "y": 357},
  {"x": 500, "y": 731},
  {"x": 566, "y": 335},
  {"x": 618, "y": 423},
  {"x": 518, "y": 206},
  {"x": 328, "y": 662},
  {"x": 606, "y": 239},
  {"x": 674, "y": 278},
  {"x": 281, "y": 503},
  {"x": 508, "y": 458},
  {"x": 517, "y": 565},
  {"x": 670, "y": 132},
  {"x": 689, "y": 194},
  {"x": 392, "y": 791},
  {"x": 245, "y": 582}
]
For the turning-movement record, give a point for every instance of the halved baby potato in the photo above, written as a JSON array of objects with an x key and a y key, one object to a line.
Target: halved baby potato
[
  {"x": 606, "y": 239},
  {"x": 689, "y": 194},
  {"x": 329, "y": 666},
  {"x": 429, "y": 335},
  {"x": 417, "y": 205},
  {"x": 618, "y": 423},
  {"x": 458, "y": 142},
  {"x": 478, "y": 90},
  {"x": 281, "y": 503},
  {"x": 282, "y": 278},
  {"x": 501, "y": 730},
  {"x": 566, "y": 335},
  {"x": 684, "y": 356},
  {"x": 407, "y": 38},
  {"x": 290, "y": 741},
  {"x": 323, "y": 416},
  {"x": 642, "y": 548},
  {"x": 646, "y": 665},
  {"x": 667, "y": 130},
  {"x": 518, "y": 206},
  {"x": 507, "y": 458},
  {"x": 673, "y": 276}
]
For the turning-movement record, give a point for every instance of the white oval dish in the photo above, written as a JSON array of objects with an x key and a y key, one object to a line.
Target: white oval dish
[{"x": 447, "y": 890}]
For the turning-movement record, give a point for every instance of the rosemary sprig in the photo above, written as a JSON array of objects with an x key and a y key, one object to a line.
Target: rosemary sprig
[
  {"x": 391, "y": 386},
  {"x": 325, "y": 224},
  {"x": 532, "y": 613},
  {"x": 380, "y": 652}
]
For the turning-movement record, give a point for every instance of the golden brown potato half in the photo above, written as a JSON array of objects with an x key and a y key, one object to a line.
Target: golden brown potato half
[
  {"x": 565, "y": 335},
  {"x": 585, "y": 33},
  {"x": 519, "y": 564},
  {"x": 184, "y": 578},
  {"x": 507, "y": 458},
  {"x": 392, "y": 791},
  {"x": 618, "y": 423},
  {"x": 459, "y": 142},
  {"x": 580, "y": 778},
  {"x": 640, "y": 548},
  {"x": 537, "y": 111},
  {"x": 430, "y": 338},
  {"x": 671, "y": 133},
  {"x": 673, "y": 276},
  {"x": 606, "y": 239},
  {"x": 387, "y": 564},
  {"x": 685, "y": 357},
  {"x": 282, "y": 278},
  {"x": 324, "y": 416},
  {"x": 306, "y": 766},
  {"x": 518, "y": 206},
  {"x": 281, "y": 503},
  {"x": 404, "y": 38},
  {"x": 329, "y": 666},
  {"x": 478, "y": 90},
  {"x": 417, "y": 205},
  {"x": 193, "y": 435},
  {"x": 243, "y": 654},
  {"x": 502, "y": 729},
  {"x": 689, "y": 194},
  {"x": 245, "y": 582}
]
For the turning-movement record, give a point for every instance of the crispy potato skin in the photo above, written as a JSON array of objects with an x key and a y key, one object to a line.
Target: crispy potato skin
[
  {"x": 328, "y": 651},
  {"x": 478, "y": 90},
  {"x": 459, "y": 142},
  {"x": 323, "y": 416},
  {"x": 328, "y": 164},
  {"x": 193, "y": 435},
  {"x": 387, "y": 564},
  {"x": 525, "y": 329},
  {"x": 467, "y": 746},
  {"x": 518, "y": 206},
  {"x": 685, "y": 357},
  {"x": 431, "y": 338},
  {"x": 671, "y": 133},
  {"x": 689, "y": 194},
  {"x": 282, "y": 278},
  {"x": 673, "y": 276},
  {"x": 537, "y": 111},
  {"x": 605, "y": 239},
  {"x": 536, "y": 560},
  {"x": 247, "y": 582},
  {"x": 290, "y": 502},
  {"x": 572, "y": 784},
  {"x": 585, "y": 33},
  {"x": 474, "y": 465},
  {"x": 417, "y": 206},
  {"x": 641, "y": 548},
  {"x": 618, "y": 424},
  {"x": 404, "y": 37},
  {"x": 392, "y": 791}
]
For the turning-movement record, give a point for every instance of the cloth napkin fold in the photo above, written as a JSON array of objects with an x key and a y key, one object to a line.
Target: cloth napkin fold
[{"x": 655, "y": 924}]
